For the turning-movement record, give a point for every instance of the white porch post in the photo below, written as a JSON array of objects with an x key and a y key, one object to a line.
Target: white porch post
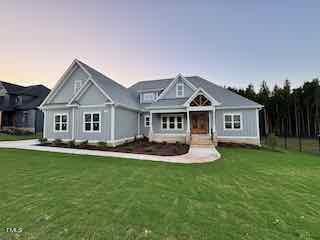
[
  {"x": 0, "y": 119},
  {"x": 45, "y": 117},
  {"x": 112, "y": 125},
  {"x": 73, "y": 123},
  {"x": 188, "y": 127},
  {"x": 213, "y": 121},
  {"x": 150, "y": 127},
  {"x": 138, "y": 124}
]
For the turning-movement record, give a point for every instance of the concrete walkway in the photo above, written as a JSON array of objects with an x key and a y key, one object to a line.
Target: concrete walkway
[{"x": 195, "y": 155}]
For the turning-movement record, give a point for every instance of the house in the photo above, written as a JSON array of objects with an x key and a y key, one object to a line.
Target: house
[
  {"x": 87, "y": 105},
  {"x": 19, "y": 106}
]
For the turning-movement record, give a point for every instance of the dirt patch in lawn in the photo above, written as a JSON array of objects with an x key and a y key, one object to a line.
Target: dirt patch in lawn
[{"x": 141, "y": 146}]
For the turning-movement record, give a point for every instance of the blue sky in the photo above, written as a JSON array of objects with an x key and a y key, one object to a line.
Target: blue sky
[{"x": 231, "y": 43}]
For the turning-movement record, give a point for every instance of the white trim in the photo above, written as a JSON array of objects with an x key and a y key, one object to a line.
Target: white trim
[
  {"x": 139, "y": 124},
  {"x": 258, "y": 122},
  {"x": 182, "y": 90},
  {"x": 175, "y": 122},
  {"x": 188, "y": 122},
  {"x": 92, "y": 106},
  {"x": 150, "y": 90},
  {"x": 54, "y": 122},
  {"x": 62, "y": 107},
  {"x": 73, "y": 123},
  {"x": 127, "y": 107},
  {"x": 145, "y": 121},
  {"x": 44, "y": 123},
  {"x": 207, "y": 95},
  {"x": 112, "y": 125},
  {"x": 82, "y": 90},
  {"x": 239, "y": 107},
  {"x": 91, "y": 122},
  {"x": 170, "y": 111},
  {"x": 232, "y": 121},
  {"x": 60, "y": 82},
  {"x": 202, "y": 108},
  {"x": 239, "y": 137},
  {"x": 172, "y": 84}
]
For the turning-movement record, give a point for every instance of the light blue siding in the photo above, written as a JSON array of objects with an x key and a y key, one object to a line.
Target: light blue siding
[
  {"x": 249, "y": 123},
  {"x": 103, "y": 135},
  {"x": 50, "y": 134},
  {"x": 92, "y": 96},
  {"x": 126, "y": 123},
  {"x": 67, "y": 91},
  {"x": 171, "y": 94}
]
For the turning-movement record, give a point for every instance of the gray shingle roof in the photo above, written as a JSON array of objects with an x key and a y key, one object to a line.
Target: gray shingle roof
[
  {"x": 226, "y": 97},
  {"x": 118, "y": 93}
]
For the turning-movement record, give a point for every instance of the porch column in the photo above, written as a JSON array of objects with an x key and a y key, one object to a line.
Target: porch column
[
  {"x": 0, "y": 119},
  {"x": 188, "y": 137},
  {"x": 139, "y": 124},
  {"x": 214, "y": 121},
  {"x": 150, "y": 127},
  {"x": 45, "y": 119}
]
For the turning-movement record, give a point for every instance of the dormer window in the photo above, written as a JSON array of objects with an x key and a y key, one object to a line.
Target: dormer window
[
  {"x": 180, "y": 90},
  {"x": 77, "y": 85},
  {"x": 148, "y": 97}
]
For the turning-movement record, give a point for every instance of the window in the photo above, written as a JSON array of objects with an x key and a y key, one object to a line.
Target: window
[
  {"x": 61, "y": 122},
  {"x": 180, "y": 90},
  {"x": 172, "y": 122},
  {"x": 25, "y": 117},
  {"x": 147, "y": 121},
  {"x": 148, "y": 97},
  {"x": 77, "y": 85},
  {"x": 232, "y": 121},
  {"x": 164, "y": 123},
  {"x": 92, "y": 122}
]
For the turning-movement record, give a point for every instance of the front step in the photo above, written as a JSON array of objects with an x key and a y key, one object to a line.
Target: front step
[{"x": 201, "y": 139}]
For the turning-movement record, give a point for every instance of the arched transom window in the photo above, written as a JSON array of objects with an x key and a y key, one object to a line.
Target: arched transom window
[{"x": 200, "y": 100}]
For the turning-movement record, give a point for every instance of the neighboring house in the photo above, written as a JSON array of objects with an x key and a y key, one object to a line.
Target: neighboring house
[
  {"x": 19, "y": 106},
  {"x": 87, "y": 105}
]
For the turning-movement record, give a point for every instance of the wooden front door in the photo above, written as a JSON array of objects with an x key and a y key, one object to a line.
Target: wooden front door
[{"x": 200, "y": 122}]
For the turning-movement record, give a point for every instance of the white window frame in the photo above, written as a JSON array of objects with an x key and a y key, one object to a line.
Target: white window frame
[
  {"x": 175, "y": 122},
  {"x": 145, "y": 121},
  {"x": 54, "y": 122},
  {"x": 76, "y": 82},
  {"x": 182, "y": 90},
  {"x": 232, "y": 121},
  {"x": 144, "y": 99},
  {"x": 91, "y": 123}
]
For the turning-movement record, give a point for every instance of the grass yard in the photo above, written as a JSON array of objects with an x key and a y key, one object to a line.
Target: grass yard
[
  {"x": 249, "y": 194},
  {"x": 9, "y": 137}
]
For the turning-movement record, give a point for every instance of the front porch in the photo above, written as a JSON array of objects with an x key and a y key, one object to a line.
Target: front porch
[{"x": 193, "y": 124}]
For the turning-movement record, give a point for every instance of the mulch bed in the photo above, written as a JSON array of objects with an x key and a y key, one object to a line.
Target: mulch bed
[
  {"x": 142, "y": 146},
  {"x": 241, "y": 145}
]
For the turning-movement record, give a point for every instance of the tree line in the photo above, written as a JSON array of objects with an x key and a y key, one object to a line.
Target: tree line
[{"x": 287, "y": 111}]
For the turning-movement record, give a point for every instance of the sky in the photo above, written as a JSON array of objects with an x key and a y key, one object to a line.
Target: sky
[{"x": 231, "y": 42}]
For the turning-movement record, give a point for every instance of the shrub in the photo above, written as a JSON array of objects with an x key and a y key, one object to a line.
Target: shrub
[
  {"x": 102, "y": 144},
  {"x": 272, "y": 141},
  {"x": 43, "y": 140},
  {"x": 57, "y": 142},
  {"x": 71, "y": 144},
  {"x": 84, "y": 144}
]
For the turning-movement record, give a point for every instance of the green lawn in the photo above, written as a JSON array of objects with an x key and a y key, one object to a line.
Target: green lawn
[
  {"x": 7, "y": 137},
  {"x": 249, "y": 194}
]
